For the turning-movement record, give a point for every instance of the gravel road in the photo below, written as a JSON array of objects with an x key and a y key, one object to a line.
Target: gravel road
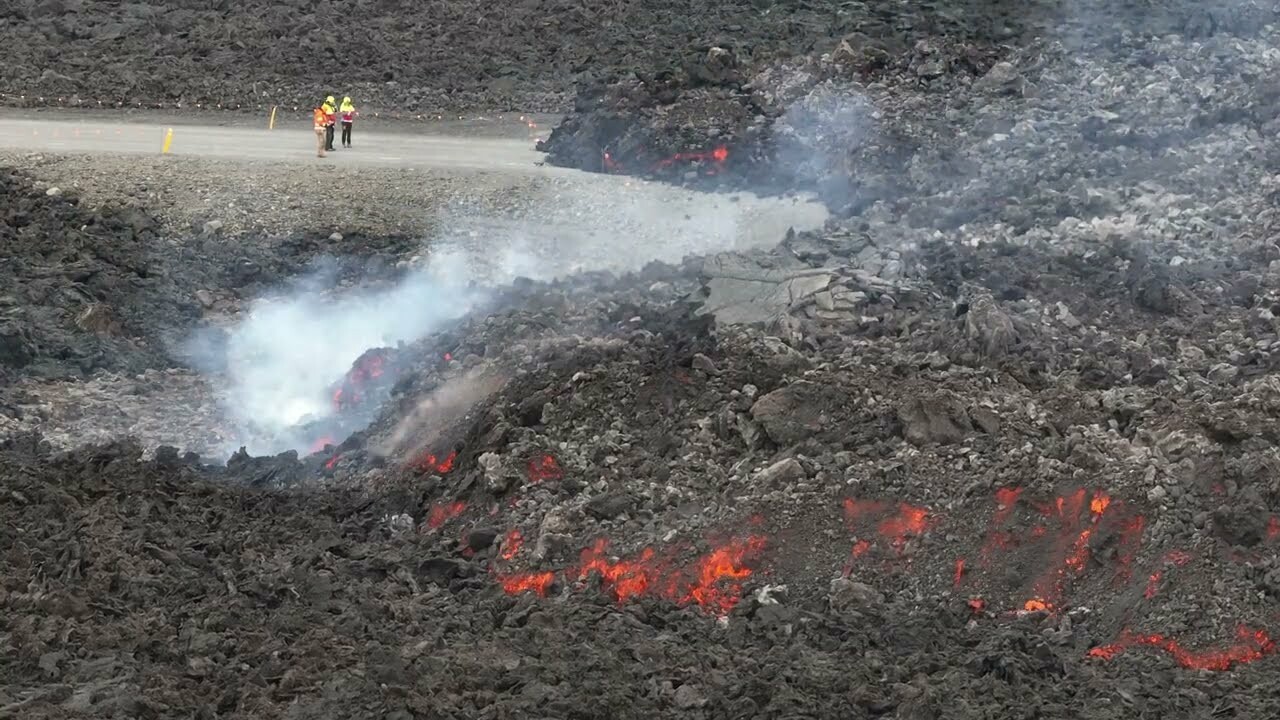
[{"x": 482, "y": 194}]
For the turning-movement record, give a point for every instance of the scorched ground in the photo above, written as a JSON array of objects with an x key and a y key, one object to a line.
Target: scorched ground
[{"x": 998, "y": 442}]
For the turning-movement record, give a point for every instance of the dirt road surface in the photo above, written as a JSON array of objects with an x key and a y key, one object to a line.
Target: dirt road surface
[{"x": 280, "y": 145}]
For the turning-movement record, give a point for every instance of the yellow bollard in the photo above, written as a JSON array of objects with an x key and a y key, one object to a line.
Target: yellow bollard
[
  {"x": 168, "y": 140},
  {"x": 271, "y": 124}
]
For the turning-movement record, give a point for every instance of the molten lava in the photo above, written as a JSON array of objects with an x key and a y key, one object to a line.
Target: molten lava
[
  {"x": 430, "y": 463},
  {"x": 320, "y": 444},
  {"x": 717, "y": 156},
  {"x": 1130, "y": 543},
  {"x": 356, "y": 384},
  {"x": 1049, "y": 588},
  {"x": 534, "y": 582},
  {"x": 1175, "y": 557},
  {"x": 713, "y": 581},
  {"x": 897, "y": 523},
  {"x": 441, "y": 513},
  {"x": 1250, "y": 646},
  {"x": 544, "y": 468},
  {"x": 1065, "y": 532},
  {"x": 331, "y": 462},
  {"x": 511, "y": 544}
]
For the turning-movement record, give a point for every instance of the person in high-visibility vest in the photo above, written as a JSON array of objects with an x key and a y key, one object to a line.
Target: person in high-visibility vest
[
  {"x": 347, "y": 114},
  {"x": 330, "y": 121},
  {"x": 321, "y": 121}
]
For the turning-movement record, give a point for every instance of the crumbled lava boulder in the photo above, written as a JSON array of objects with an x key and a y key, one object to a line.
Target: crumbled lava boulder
[
  {"x": 793, "y": 413},
  {"x": 938, "y": 419}
]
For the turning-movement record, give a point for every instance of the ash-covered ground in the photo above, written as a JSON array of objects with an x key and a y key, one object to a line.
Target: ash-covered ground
[
  {"x": 997, "y": 441},
  {"x": 415, "y": 56}
]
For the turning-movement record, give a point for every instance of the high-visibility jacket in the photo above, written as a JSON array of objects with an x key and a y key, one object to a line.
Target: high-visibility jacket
[
  {"x": 328, "y": 113},
  {"x": 348, "y": 112},
  {"x": 321, "y": 118}
]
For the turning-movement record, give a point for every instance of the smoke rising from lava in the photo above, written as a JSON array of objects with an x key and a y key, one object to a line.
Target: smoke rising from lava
[{"x": 281, "y": 360}]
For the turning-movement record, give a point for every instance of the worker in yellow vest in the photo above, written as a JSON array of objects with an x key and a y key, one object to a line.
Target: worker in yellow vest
[
  {"x": 346, "y": 114},
  {"x": 331, "y": 114}
]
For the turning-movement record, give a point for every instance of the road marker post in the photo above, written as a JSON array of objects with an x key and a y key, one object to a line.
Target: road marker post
[
  {"x": 168, "y": 140},
  {"x": 271, "y": 124}
]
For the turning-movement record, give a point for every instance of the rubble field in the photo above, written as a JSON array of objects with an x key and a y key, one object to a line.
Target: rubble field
[
  {"x": 996, "y": 441},
  {"x": 414, "y": 56}
]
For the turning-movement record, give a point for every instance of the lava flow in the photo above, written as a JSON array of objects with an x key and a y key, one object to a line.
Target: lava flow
[
  {"x": 713, "y": 581},
  {"x": 442, "y": 513},
  {"x": 1049, "y": 588},
  {"x": 1081, "y": 519},
  {"x": 1174, "y": 557},
  {"x": 896, "y": 523},
  {"x": 717, "y": 156},
  {"x": 511, "y": 544},
  {"x": 430, "y": 463},
  {"x": 544, "y": 468},
  {"x": 534, "y": 582},
  {"x": 369, "y": 370},
  {"x": 1250, "y": 646}
]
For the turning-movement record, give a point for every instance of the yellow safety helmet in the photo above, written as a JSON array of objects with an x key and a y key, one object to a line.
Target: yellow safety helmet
[{"x": 329, "y": 99}]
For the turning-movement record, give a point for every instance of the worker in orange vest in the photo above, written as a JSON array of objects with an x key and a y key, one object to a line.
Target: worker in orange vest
[{"x": 321, "y": 126}]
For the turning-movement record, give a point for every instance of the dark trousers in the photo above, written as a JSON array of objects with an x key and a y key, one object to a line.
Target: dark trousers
[
  {"x": 328, "y": 137},
  {"x": 346, "y": 134}
]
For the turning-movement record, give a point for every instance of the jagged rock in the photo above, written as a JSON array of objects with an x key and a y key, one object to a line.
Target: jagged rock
[
  {"x": 779, "y": 474},
  {"x": 609, "y": 505},
  {"x": 988, "y": 328},
  {"x": 845, "y": 593},
  {"x": 98, "y": 318},
  {"x": 739, "y": 291},
  {"x": 939, "y": 419},
  {"x": 792, "y": 413}
]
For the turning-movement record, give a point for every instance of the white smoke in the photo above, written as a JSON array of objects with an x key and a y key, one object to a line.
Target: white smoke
[{"x": 282, "y": 359}]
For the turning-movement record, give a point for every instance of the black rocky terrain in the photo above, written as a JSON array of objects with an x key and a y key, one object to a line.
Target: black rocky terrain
[
  {"x": 998, "y": 442},
  {"x": 886, "y": 115},
  {"x": 100, "y": 288},
  {"x": 408, "y": 55},
  {"x": 890, "y": 505}
]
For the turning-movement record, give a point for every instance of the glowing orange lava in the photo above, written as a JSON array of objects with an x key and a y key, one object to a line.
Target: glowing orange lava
[
  {"x": 861, "y": 548},
  {"x": 511, "y": 544},
  {"x": 1174, "y": 557},
  {"x": 717, "y": 156},
  {"x": 1251, "y": 645},
  {"x": 443, "y": 513},
  {"x": 367, "y": 367},
  {"x": 713, "y": 581},
  {"x": 544, "y": 468},
  {"x": 897, "y": 522},
  {"x": 1049, "y": 587},
  {"x": 429, "y": 463},
  {"x": 319, "y": 444},
  {"x": 535, "y": 582}
]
